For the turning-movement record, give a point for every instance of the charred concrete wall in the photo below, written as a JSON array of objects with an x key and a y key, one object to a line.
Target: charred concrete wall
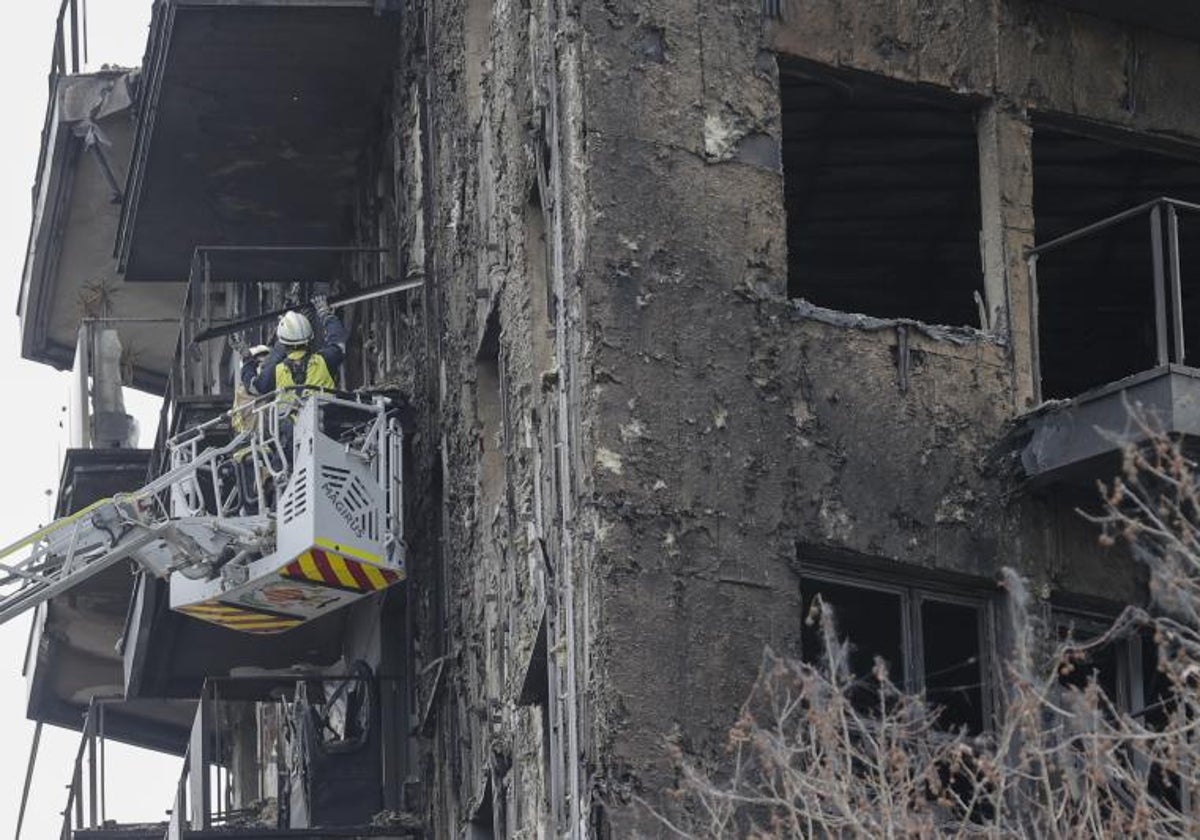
[
  {"x": 627, "y": 441},
  {"x": 737, "y": 433},
  {"x": 470, "y": 191}
]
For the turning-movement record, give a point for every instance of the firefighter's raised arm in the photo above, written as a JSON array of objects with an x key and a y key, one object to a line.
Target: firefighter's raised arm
[{"x": 334, "y": 348}]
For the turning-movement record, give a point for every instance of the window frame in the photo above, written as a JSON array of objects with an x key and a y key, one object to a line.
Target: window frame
[
  {"x": 1131, "y": 690},
  {"x": 913, "y": 590},
  {"x": 1131, "y": 685}
]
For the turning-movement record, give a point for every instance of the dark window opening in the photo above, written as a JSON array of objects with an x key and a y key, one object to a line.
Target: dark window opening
[
  {"x": 1126, "y": 670},
  {"x": 489, "y": 405},
  {"x": 1096, "y": 309},
  {"x": 1157, "y": 711},
  {"x": 951, "y": 643},
  {"x": 941, "y": 655},
  {"x": 1156, "y": 688},
  {"x": 483, "y": 821},
  {"x": 1102, "y": 666},
  {"x": 871, "y": 620},
  {"x": 396, "y": 699},
  {"x": 1106, "y": 665},
  {"x": 881, "y": 184}
]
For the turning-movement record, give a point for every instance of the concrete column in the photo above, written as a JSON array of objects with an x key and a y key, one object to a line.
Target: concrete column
[
  {"x": 1006, "y": 193},
  {"x": 111, "y": 427}
]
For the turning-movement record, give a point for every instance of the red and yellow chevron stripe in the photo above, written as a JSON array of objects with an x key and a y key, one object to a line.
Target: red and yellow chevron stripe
[
  {"x": 330, "y": 569},
  {"x": 238, "y": 618}
]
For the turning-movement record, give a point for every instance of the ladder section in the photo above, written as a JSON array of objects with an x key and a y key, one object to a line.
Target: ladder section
[{"x": 73, "y": 549}]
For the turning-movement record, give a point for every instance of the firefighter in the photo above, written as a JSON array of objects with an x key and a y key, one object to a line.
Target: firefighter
[
  {"x": 293, "y": 362},
  {"x": 295, "y": 366},
  {"x": 242, "y": 398}
]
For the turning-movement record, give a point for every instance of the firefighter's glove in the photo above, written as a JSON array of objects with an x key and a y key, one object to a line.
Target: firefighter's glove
[
  {"x": 321, "y": 307},
  {"x": 258, "y": 352}
]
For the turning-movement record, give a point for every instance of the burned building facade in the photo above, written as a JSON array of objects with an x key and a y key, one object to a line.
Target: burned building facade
[{"x": 695, "y": 311}]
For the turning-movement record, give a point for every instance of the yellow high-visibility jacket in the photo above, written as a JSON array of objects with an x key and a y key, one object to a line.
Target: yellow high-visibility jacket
[{"x": 296, "y": 370}]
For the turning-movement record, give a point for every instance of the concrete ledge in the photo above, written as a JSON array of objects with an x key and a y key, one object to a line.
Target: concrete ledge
[{"x": 1080, "y": 440}]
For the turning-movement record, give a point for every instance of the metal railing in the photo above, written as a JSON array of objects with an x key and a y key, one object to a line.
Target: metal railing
[
  {"x": 177, "y": 820},
  {"x": 203, "y": 367},
  {"x": 262, "y": 450},
  {"x": 87, "y": 790},
  {"x": 70, "y": 46},
  {"x": 1163, "y": 220},
  {"x": 238, "y": 273},
  {"x": 205, "y": 794},
  {"x": 70, "y": 40}
]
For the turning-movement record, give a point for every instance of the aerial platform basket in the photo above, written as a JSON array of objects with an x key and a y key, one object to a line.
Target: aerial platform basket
[{"x": 336, "y": 517}]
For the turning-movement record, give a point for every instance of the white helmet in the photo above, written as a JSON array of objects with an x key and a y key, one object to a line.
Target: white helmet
[{"x": 294, "y": 328}]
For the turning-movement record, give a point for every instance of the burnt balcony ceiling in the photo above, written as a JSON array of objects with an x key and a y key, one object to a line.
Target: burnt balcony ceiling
[
  {"x": 169, "y": 655},
  {"x": 69, "y": 268},
  {"x": 1175, "y": 17},
  {"x": 252, "y": 124}
]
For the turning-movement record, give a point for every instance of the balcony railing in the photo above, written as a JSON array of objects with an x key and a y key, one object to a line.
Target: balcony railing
[
  {"x": 240, "y": 289},
  {"x": 70, "y": 40},
  {"x": 235, "y": 293},
  {"x": 1162, "y": 217},
  {"x": 68, "y": 56},
  {"x": 85, "y": 807},
  {"x": 342, "y": 717}
]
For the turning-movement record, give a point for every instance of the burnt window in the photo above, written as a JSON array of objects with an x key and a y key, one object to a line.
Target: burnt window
[
  {"x": 931, "y": 641},
  {"x": 881, "y": 184},
  {"x": 951, "y": 636},
  {"x": 1126, "y": 669},
  {"x": 872, "y": 619},
  {"x": 1095, "y": 295},
  {"x": 1108, "y": 665}
]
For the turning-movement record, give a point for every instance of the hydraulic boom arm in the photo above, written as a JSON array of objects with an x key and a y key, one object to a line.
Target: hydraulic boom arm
[{"x": 73, "y": 549}]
